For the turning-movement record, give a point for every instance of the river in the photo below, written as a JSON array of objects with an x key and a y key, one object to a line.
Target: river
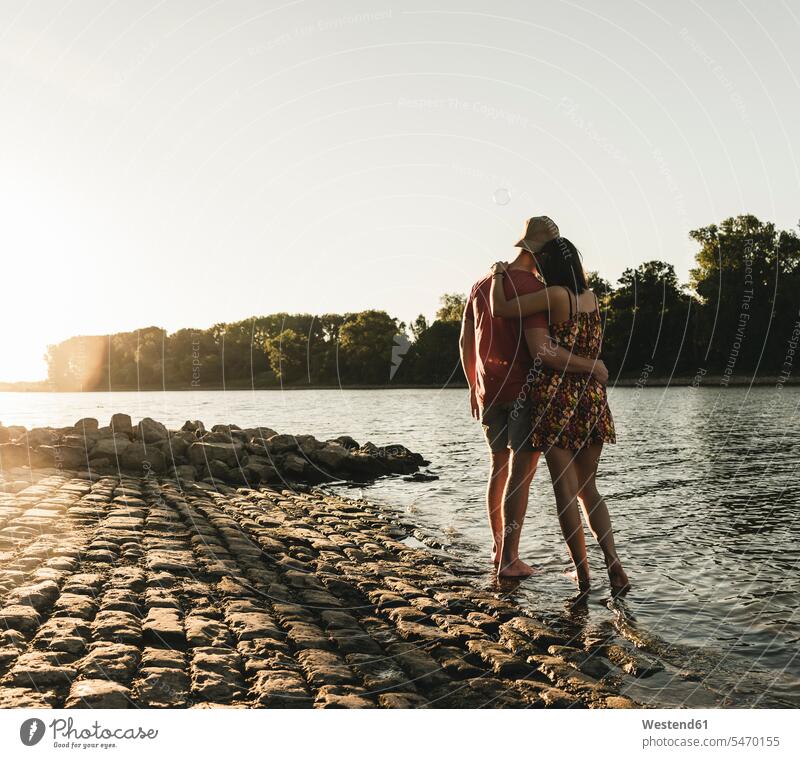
[{"x": 702, "y": 488}]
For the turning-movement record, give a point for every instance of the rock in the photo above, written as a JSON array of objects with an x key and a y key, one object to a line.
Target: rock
[
  {"x": 149, "y": 430},
  {"x": 121, "y": 424},
  {"x": 41, "y": 671},
  {"x": 419, "y": 476},
  {"x": 20, "y": 697},
  {"x": 60, "y": 457},
  {"x": 248, "y": 626},
  {"x": 109, "y": 660},
  {"x": 162, "y": 687},
  {"x": 87, "y": 425},
  {"x": 5, "y": 435},
  {"x": 117, "y": 626},
  {"x": 293, "y": 465},
  {"x": 634, "y": 663},
  {"x": 216, "y": 676},
  {"x": 39, "y": 596},
  {"x": 281, "y": 689},
  {"x": 281, "y": 443},
  {"x": 23, "y": 618},
  {"x": 202, "y": 453},
  {"x": 163, "y": 626},
  {"x": 111, "y": 446},
  {"x": 143, "y": 459},
  {"x": 205, "y": 632},
  {"x": 98, "y": 693},
  {"x": 332, "y": 456},
  {"x": 524, "y": 634},
  {"x": 348, "y": 443},
  {"x": 194, "y": 426}
]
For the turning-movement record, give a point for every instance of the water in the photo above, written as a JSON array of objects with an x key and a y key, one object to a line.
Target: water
[{"x": 702, "y": 488}]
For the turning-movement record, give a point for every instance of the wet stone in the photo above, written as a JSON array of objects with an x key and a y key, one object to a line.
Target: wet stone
[
  {"x": 117, "y": 626},
  {"x": 281, "y": 689},
  {"x": 22, "y": 618},
  {"x": 162, "y": 688},
  {"x": 98, "y": 693},
  {"x": 161, "y": 658},
  {"x": 164, "y": 626},
  {"x": 77, "y": 606},
  {"x": 110, "y": 661},
  {"x": 41, "y": 670},
  {"x": 205, "y": 632},
  {"x": 21, "y": 697}
]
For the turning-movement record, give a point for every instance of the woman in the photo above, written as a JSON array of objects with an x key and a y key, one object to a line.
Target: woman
[{"x": 571, "y": 419}]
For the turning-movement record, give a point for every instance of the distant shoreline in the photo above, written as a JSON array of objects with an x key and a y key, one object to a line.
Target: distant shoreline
[{"x": 705, "y": 382}]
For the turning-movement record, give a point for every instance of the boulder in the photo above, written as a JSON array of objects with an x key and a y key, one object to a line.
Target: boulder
[
  {"x": 256, "y": 472},
  {"x": 87, "y": 425},
  {"x": 13, "y": 454},
  {"x": 332, "y": 456},
  {"x": 259, "y": 433},
  {"x": 5, "y": 435},
  {"x": 293, "y": 465},
  {"x": 281, "y": 443},
  {"x": 121, "y": 424},
  {"x": 346, "y": 442},
  {"x": 229, "y": 453},
  {"x": 143, "y": 459},
  {"x": 111, "y": 446},
  {"x": 150, "y": 430},
  {"x": 60, "y": 456},
  {"x": 307, "y": 444},
  {"x": 185, "y": 473},
  {"x": 218, "y": 470},
  {"x": 174, "y": 448},
  {"x": 196, "y": 427}
]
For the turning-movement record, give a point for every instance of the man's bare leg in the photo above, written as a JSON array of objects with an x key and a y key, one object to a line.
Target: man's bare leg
[
  {"x": 515, "y": 504},
  {"x": 565, "y": 486},
  {"x": 498, "y": 474}
]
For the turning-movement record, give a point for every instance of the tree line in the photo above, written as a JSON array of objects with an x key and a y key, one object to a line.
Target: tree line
[{"x": 737, "y": 316}]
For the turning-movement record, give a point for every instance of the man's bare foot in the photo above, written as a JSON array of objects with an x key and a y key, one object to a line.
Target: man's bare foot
[
  {"x": 618, "y": 578},
  {"x": 516, "y": 568},
  {"x": 583, "y": 580}
]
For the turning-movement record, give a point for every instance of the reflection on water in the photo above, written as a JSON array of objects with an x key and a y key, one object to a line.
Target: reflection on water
[{"x": 702, "y": 487}]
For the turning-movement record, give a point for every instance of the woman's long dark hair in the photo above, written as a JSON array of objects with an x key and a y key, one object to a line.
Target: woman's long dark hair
[{"x": 559, "y": 263}]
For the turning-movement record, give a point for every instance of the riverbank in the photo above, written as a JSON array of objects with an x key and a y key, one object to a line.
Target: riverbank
[
  {"x": 152, "y": 592},
  {"x": 706, "y": 381}
]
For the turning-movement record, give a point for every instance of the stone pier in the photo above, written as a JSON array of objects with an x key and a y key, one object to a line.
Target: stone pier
[{"x": 152, "y": 592}]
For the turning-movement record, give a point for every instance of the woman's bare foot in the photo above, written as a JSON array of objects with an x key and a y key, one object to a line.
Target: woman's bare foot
[
  {"x": 495, "y": 555},
  {"x": 516, "y": 568},
  {"x": 582, "y": 579}
]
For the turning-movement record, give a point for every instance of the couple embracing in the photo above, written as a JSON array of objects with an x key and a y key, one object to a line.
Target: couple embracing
[{"x": 530, "y": 345}]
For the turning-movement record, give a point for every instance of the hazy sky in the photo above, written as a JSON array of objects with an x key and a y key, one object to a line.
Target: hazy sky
[{"x": 182, "y": 163}]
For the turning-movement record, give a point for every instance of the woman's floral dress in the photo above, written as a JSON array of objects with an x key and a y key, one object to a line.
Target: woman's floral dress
[{"x": 571, "y": 410}]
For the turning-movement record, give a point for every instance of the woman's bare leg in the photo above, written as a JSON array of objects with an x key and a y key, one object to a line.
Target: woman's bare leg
[
  {"x": 594, "y": 506},
  {"x": 565, "y": 487}
]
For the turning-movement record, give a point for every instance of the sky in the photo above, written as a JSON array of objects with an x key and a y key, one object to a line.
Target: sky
[{"x": 179, "y": 163}]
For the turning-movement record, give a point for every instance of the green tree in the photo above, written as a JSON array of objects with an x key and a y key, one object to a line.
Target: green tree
[
  {"x": 288, "y": 354},
  {"x": 747, "y": 280},
  {"x": 648, "y": 322},
  {"x": 451, "y": 307},
  {"x": 365, "y": 347}
]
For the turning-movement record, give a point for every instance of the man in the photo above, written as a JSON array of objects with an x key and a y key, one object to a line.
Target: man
[{"x": 497, "y": 355}]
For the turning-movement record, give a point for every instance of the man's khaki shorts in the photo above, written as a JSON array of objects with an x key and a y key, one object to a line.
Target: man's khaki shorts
[{"x": 508, "y": 425}]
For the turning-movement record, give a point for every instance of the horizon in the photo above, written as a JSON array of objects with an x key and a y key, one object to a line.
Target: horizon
[{"x": 167, "y": 166}]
